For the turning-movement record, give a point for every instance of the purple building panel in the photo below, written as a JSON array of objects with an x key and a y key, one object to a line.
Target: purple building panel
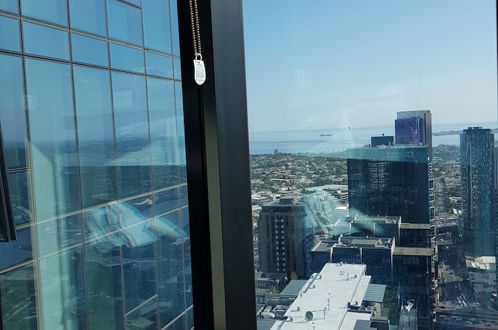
[{"x": 409, "y": 131}]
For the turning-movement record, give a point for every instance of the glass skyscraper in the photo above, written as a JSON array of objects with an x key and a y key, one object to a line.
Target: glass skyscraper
[{"x": 92, "y": 124}]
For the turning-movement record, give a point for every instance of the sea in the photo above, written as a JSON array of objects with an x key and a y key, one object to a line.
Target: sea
[{"x": 337, "y": 140}]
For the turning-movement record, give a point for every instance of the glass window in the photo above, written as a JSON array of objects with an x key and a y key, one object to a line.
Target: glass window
[
  {"x": 167, "y": 200},
  {"x": 178, "y": 69},
  {"x": 159, "y": 65},
  {"x": 124, "y": 22},
  {"x": 157, "y": 30},
  {"x": 182, "y": 173},
  {"x": 45, "y": 41},
  {"x": 12, "y": 112},
  {"x": 9, "y": 5},
  {"x": 89, "y": 16},
  {"x": 9, "y": 34},
  {"x": 134, "y": 2},
  {"x": 54, "y": 11},
  {"x": 19, "y": 197},
  {"x": 54, "y": 235},
  {"x": 89, "y": 50},
  {"x": 135, "y": 210},
  {"x": 95, "y": 135},
  {"x": 17, "y": 251},
  {"x": 175, "y": 36},
  {"x": 53, "y": 140},
  {"x": 127, "y": 58},
  {"x": 144, "y": 317},
  {"x": 18, "y": 298}
]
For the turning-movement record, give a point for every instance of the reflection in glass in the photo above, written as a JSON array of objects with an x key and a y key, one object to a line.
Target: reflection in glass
[
  {"x": 144, "y": 317},
  {"x": 89, "y": 50},
  {"x": 53, "y": 144},
  {"x": 175, "y": 36},
  {"x": 95, "y": 135},
  {"x": 12, "y": 116},
  {"x": 178, "y": 69},
  {"x": 124, "y": 22},
  {"x": 9, "y": 34},
  {"x": 89, "y": 16},
  {"x": 9, "y": 5},
  {"x": 19, "y": 197},
  {"x": 159, "y": 65},
  {"x": 17, "y": 251},
  {"x": 127, "y": 58},
  {"x": 157, "y": 25},
  {"x": 167, "y": 200},
  {"x": 45, "y": 41},
  {"x": 54, "y": 11},
  {"x": 18, "y": 298}
]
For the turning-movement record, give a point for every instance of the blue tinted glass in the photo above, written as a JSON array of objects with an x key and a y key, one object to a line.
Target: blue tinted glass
[
  {"x": 88, "y": 15},
  {"x": 17, "y": 251},
  {"x": 136, "y": 210},
  {"x": 159, "y": 65},
  {"x": 45, "y": 41},
  {"x": 18, "y": 298},
  {"x": 127, "y": 58},
  {"x": 95, "y": 135},
  {"x": 174, "y": 28},
  {"x": 134, "y": 175},
  {"x": 130, "y": 112},
  {"x": 181, "y": 132},
  {"x": 170, "y": 280},
  {"x": 53, "y": 146},
  {"x": 12, "y": 114},
  {"x": 89, "y": 50},
  {"x": 183, "y": 195},
  {"x": 134, "y": 2},
  {"x": 145, "y": 316},
  {"x": 139, "y": 265},
  {"x": 157, "y": 32},
  {"x": 57, "y": 234},
  {"x": 61, "y": 290},
  {"x": 19, "y": 197},
  {"x": 178, "y": 69},
  {"x": 186, "y": 256},
  {"x": 103, "y": 285},
  {"x": 104, "y": 221},
  {"x": 167, "y": 200},
  {"x": 54, "y": 11},
  {"x": 9, "y": 5},
  {"x": 124, "y": 22},
  {"x": 9, "y": 34}
]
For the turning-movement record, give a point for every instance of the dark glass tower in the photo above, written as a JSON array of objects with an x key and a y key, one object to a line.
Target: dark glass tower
[
  {"x": 477, "y": 175},
  {"x": 414, "y": 127}
]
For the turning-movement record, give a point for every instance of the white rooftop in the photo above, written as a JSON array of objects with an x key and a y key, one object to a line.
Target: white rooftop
[{"x": 326, "y": 295}]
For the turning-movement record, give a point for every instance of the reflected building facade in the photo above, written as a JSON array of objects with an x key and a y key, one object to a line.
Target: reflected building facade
[{"x": 94, "y": 146}]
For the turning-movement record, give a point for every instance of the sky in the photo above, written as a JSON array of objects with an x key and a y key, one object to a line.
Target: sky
[{"x": 331, "y": 64}]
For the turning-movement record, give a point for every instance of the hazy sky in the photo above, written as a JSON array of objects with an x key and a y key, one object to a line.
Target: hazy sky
[{"x": 315, "y": 64}]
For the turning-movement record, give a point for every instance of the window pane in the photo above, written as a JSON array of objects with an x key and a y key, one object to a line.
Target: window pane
[
  {"x": 174, "y": 27},
  {"x": 157, "y": 31},
  {"x": 143, "y": 317},
  {"x": 53, "y": 145},
  {"x": 89, "y": 16},
  {"x": 12, "y": 112},
  {"x": 95, "y": 135},
  {"x": 163, "y": 132},
  {"x": 17, "y": 251},
  {"x": 159, "y": 65},
  {"x": 54, "y": 11},
  {"x": 9, "y": 5},
  {"x": 134, "y": 2},
  {"x": 19, "y": 197},
  {"x": 124, "y": 22},
  {"x": 178, "y": 69},
  {"x": 89, "y": 50},
  {"x": 41, "y": 40},
  {"x": 9, "y": 34},
  {"x": 18, "y": 298},
  {"x": 167, "y": 200},
  {"x": 127, "y": 58},
  {"x": 54, "y": 235}
]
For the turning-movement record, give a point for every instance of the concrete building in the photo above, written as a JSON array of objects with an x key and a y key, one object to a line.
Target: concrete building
[
  {"x": 334, "y": 299},
  {"x": 285, "y": 239}
]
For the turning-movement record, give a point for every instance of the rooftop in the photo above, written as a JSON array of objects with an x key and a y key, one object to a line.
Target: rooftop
[
  {"x": 406, "y": 225},
  {"x": 293, "y": 288},
  {"x": 327, "y": 295},
  {"x": 365, "y": 242},
  {"x": 411, "y": 251}
]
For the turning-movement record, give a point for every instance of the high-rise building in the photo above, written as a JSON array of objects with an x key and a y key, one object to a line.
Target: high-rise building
[
  {"x": 285, "y": 238},
  {"x": 382, "y": 140},
  {"x": 390, "y": 181},
  {"x": 414, "y": 127},
  {"x": 92, "y": 117},
  {"x": 478, "y": 197}
]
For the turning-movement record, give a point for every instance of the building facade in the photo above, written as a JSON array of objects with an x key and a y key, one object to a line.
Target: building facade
[
  {"x": 285, "y": 239},
  {"x": 92, "y": 121},
  {"x": 414, "y": 127},
  {"x": 478, "y": 198}
]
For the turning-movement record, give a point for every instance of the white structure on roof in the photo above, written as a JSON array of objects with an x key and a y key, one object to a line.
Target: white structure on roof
[{"x": 329, "y": 300}]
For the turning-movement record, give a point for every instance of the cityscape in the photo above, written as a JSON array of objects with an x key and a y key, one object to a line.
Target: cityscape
[{"x": 397, "y": 234}]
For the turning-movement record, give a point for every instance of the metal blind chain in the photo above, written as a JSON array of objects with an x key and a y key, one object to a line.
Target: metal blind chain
[{"x": 199, "y": 68}]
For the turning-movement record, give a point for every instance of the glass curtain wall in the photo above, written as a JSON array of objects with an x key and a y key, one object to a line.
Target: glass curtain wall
[
  {"x": 372, "y": 132},
  {"x": 92, "y": 123}
]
